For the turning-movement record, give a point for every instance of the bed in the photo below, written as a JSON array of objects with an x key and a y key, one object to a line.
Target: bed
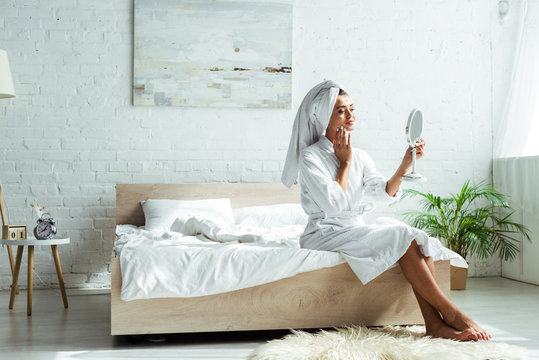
[{"x": 321, "y": 298}]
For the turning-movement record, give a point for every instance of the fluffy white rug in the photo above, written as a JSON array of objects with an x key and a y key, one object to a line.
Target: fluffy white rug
[{"x": 388, "y": 343}]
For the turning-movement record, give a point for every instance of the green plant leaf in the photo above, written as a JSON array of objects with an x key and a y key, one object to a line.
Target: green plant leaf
[{"x": 466, "y": 227}]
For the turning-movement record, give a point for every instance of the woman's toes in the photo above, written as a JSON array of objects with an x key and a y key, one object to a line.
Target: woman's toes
[
  {"x": 479, "y": 334},
  {"x": 482, "y": 335},
  {"x": 468, "y": 335},
  {"x": 474, "y": 334}
]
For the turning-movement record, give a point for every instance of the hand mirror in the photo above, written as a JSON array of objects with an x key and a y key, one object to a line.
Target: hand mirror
[{"x": 414, "y": 128}]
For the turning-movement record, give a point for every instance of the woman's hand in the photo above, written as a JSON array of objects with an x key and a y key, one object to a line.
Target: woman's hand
[
  {"x": 343, "y": 152},
  {"x": 342, "y": 146},
  {"x": 394, "y": 183},
  {"x": 407, "y": 159}
]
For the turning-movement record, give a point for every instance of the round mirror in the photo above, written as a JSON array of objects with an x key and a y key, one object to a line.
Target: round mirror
[{"x": 414, "y": 128}]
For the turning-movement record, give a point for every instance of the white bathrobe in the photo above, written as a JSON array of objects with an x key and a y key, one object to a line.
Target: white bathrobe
[{"x": 335, "y": 218}]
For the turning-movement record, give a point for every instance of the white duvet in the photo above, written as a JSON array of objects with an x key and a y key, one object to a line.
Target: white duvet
[{"x": 174, "y": 265}]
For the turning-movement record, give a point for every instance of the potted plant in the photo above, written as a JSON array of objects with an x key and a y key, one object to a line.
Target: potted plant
[{"x": 477, "y": 220}]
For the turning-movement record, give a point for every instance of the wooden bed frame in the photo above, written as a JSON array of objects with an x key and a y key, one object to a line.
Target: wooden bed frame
[{"x": 321, "y": 298}]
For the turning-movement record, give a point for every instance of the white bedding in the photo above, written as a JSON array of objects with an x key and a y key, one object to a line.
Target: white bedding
[{"x": 174, "y": 265}]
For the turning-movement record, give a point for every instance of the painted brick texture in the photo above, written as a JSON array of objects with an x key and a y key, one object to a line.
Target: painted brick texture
[{"x": 72, "y": 133}]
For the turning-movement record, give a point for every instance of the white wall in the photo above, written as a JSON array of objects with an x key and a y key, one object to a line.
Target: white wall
[
  {"x": 505, "y": 40},
  {"x": 71, "y": 133}
]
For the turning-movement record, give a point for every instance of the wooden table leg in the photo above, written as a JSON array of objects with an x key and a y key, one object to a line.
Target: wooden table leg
[
  {"x": 16, "y": 275},
  {"x": 54, "y": 249},
  {"x": 30, "y": 279},
  {"x": 12, "y": 264}
]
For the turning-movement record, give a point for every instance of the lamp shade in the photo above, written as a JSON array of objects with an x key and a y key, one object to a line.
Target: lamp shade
[{"x": 6, "y": 82}]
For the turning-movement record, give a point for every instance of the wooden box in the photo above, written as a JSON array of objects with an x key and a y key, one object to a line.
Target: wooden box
[
  {"x": 14, "y": 232},
  {"x": 458, "y": 278}
]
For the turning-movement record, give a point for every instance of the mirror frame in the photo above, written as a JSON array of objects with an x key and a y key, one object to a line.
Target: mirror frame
[{"x": 411, "y": 118}]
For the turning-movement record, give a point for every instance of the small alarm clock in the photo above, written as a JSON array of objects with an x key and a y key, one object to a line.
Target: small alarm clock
[{"x": 45, "y": 228}]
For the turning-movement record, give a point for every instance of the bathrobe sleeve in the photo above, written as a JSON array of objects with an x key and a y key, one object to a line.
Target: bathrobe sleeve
[
  {"x": 374, "y": 183},
  {"x": 323, "y": 189}
]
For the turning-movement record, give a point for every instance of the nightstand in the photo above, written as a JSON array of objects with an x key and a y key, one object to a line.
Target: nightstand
[{"x": 31, "y": 242}]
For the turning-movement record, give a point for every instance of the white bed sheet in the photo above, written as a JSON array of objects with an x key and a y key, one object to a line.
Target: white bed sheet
[{"x": 174, "y": 265}]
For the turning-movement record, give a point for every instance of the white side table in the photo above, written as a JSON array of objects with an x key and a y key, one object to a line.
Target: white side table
[{"x": 31, "y": 242}]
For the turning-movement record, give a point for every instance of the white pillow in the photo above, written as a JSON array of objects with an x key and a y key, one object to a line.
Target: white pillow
[
  {"x": 271, "y": 215},
  {"x": 160, "y": 214}
]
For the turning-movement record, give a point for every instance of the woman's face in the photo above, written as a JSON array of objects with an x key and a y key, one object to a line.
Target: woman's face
[{"x": 343, "y": 114}]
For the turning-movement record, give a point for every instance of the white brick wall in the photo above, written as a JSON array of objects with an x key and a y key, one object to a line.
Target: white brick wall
[{"x": 71, "y": 133}]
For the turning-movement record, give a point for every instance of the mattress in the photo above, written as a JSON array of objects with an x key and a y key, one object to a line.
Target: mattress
[{"x": 222, "y": 260}]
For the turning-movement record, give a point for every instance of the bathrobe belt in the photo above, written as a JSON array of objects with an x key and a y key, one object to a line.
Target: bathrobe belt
[{"x": 342, "y": 214}]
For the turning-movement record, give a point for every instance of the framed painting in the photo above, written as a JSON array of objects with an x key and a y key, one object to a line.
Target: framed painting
[{"x": 220, "y": 53}]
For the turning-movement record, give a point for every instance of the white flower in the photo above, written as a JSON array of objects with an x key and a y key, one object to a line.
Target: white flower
[{"x": 40, "y": 210}]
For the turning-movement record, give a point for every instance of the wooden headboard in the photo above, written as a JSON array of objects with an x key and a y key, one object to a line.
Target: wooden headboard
[{"x": 129, "y": 196}]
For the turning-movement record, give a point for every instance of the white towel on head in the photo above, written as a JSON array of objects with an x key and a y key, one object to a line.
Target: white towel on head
[{"x": 310, "y": 123}]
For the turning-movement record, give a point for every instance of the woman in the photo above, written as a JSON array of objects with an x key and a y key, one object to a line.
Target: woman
[{"x": 335, "y": 180}]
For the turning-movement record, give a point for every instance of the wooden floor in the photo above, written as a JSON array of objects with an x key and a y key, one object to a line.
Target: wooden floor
[{"x": 508, "y": 309}]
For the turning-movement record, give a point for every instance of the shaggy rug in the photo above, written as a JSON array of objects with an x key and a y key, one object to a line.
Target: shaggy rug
[{"x": 388, "y": 343}]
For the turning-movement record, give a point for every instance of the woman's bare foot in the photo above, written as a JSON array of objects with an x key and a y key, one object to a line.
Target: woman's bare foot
[
  {"x": 442, "y": 330},
  {"x": 462, "y": 322}
]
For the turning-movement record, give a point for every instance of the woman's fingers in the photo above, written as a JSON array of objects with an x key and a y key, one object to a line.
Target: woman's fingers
[
  {"x": 420, "y": 143},
  {"x": 341, "y": 139},
  {"x": 420, "y": 152},
  {"x": 342, "y": 144}
]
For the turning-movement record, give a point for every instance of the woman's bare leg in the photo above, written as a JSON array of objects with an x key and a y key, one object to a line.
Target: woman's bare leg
[
  {"x": 434, "y": 324},
  {"x": 436, "y": 327},
  {"x": 430, "y": 265},
  {"x": 417, "y": 272}
]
